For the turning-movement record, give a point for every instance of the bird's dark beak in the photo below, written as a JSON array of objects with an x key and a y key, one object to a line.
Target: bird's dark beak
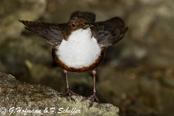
[{"x": 86, "y": 26}]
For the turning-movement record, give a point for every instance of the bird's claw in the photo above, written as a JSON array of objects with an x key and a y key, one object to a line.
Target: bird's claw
[
  {"x": 93, "y": 98},
  {"x": 70, "y": 93}
]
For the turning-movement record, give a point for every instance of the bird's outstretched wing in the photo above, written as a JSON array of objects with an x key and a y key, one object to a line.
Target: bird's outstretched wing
[
  {"x": 51, "y": 32},
  {"x": 109, "y": 32},
  {"x": 90, "y": 17}
]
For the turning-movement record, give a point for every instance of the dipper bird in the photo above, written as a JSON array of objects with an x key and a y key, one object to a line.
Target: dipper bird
[{"x": 79, "y": 45}]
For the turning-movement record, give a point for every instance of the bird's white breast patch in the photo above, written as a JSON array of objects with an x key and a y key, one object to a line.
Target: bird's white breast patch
[{"x": 80, "y": 50}]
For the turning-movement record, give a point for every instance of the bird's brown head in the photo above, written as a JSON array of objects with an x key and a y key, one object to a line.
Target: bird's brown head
[
  {"x": 78, "y": 22},
  {"x": 74, "y": 24}
]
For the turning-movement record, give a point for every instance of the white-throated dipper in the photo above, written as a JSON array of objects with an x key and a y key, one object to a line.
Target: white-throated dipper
[{"x": 79, "y": 44}]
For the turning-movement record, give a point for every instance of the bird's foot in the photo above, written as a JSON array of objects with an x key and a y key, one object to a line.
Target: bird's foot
[
  {"x": 93, "y": 98},
  {"x": 70, "y": 93}
]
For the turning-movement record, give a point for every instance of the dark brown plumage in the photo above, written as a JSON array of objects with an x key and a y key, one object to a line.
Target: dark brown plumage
[
  {"x": 109, "y": 32},
  {"x": 106, "y": 33}
]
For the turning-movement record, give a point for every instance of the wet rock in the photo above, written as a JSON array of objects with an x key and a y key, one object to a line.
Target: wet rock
[
  {"x": 150, "y": 25},
  {"x": 149, "y": 91},
  {"x": 15, "y": 52},
  {"x": 167, "y": 95},
  {"x": 21, "y": 98},
  {"x": 60, "y": 11},
  {"x": 167, "y": 79},
  {"x": 138, "y": 90},
  {"x": 11, "y": 11},
  {"x": 116, "y": 83}
]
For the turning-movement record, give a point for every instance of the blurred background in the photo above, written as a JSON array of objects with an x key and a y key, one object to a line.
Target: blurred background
[{"x": 137, "y": 74}]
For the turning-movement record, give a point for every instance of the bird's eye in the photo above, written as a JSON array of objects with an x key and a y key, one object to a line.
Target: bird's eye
[{"x": 73, "y": 25}]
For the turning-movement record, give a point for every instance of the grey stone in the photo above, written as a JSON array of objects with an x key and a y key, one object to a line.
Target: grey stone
[
  {"x": 16, "y": 95},
  {"x": 11, "y": 11}
]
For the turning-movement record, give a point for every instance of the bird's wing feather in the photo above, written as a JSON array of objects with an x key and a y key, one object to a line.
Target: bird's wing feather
[
  {"x": 90, "y": 17},
  {"x": 109, "y": 32},
  {"x": 51, "y": 32}
]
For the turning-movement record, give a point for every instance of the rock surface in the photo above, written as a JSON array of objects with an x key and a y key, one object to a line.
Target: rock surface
[
  {"x": 19, "y": 98},
  {"x": 13, "y": 11}
]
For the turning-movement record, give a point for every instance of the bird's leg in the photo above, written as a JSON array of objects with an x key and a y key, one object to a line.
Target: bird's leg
[
  {"x": 66, "y": 79},
  {"x": 93, "y": 97},
  {"x": 68, "y": 91},
  {"x": 94, "y": 72}
]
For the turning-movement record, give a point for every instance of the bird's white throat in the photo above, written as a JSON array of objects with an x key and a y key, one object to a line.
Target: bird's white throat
[{"x": 80, "y": 50}]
